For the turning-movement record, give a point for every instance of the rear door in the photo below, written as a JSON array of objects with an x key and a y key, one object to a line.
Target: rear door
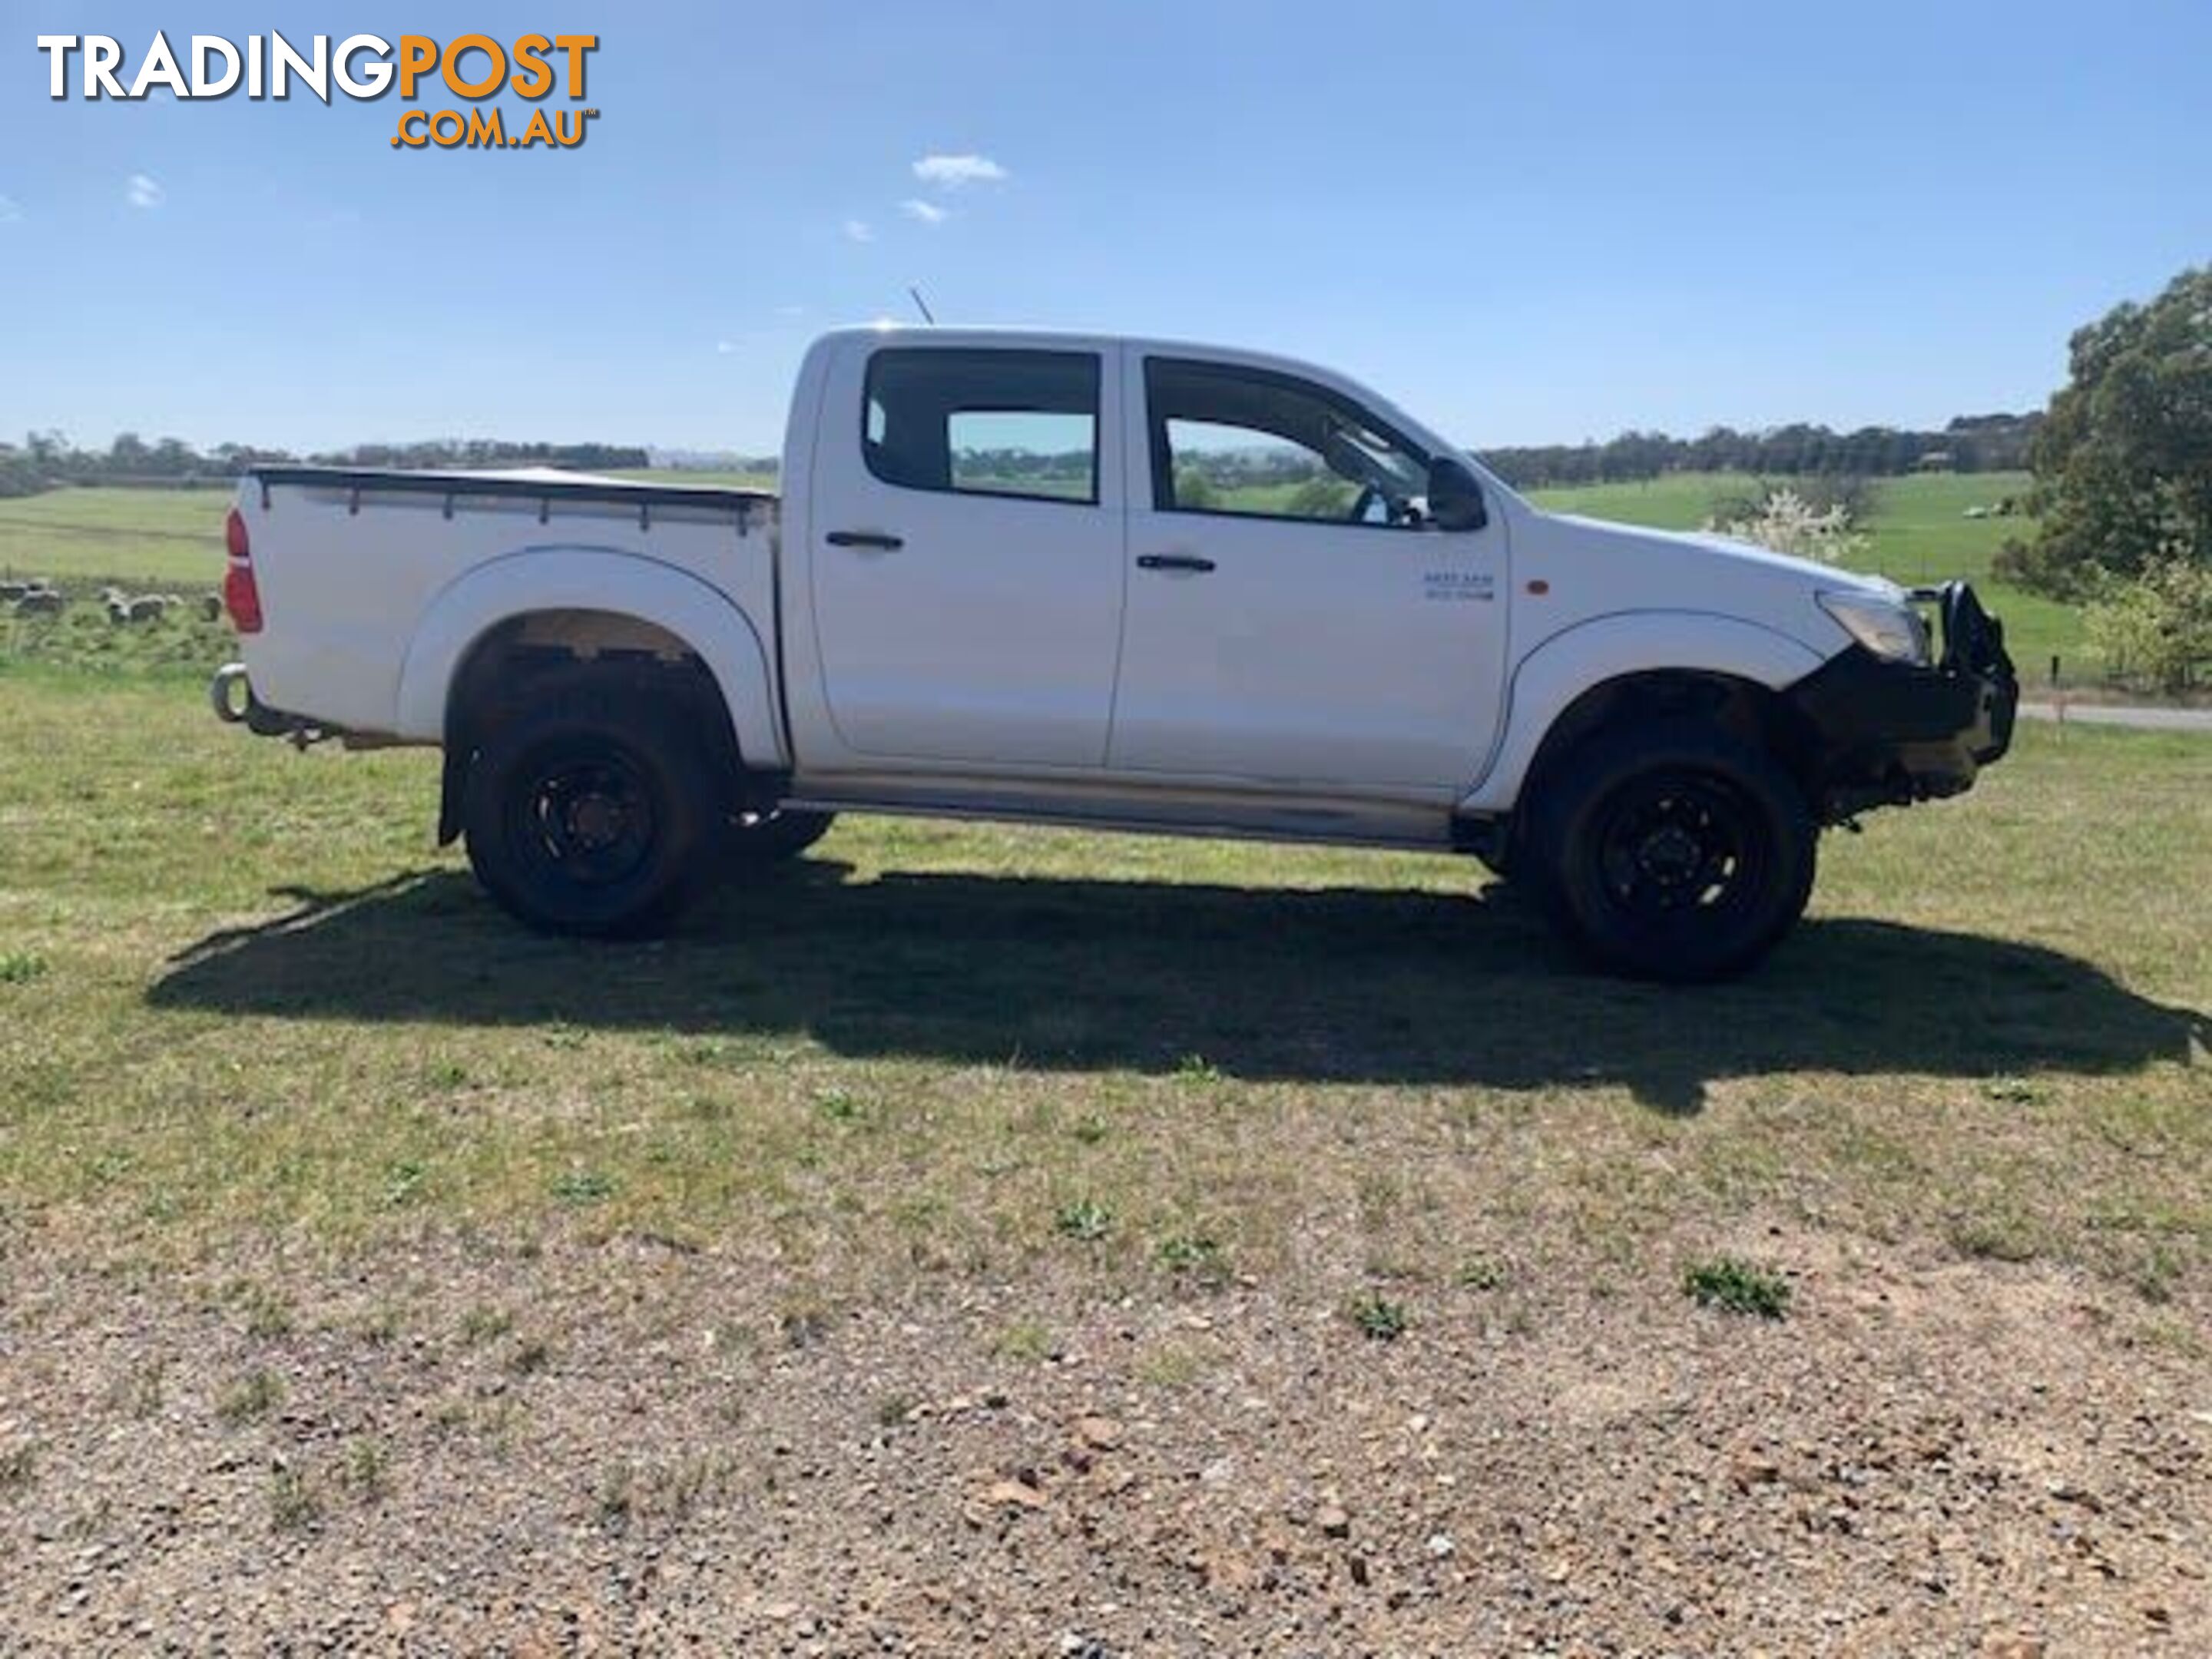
[
  {"x": 1293, "y": 619},
  {"x": 968, "y": 572}
]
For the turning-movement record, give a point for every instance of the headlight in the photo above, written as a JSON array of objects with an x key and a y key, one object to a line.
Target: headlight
[{"x": 1891, "y": 629}]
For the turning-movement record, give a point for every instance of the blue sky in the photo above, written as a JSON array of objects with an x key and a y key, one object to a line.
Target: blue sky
[{"x": 1534, "y": 222}]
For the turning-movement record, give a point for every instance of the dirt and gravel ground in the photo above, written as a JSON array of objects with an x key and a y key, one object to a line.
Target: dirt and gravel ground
[{"x": 662, "y": 1452}]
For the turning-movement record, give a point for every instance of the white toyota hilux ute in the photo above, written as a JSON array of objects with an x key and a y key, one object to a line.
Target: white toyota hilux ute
[{"x": 1128, "y": 585}]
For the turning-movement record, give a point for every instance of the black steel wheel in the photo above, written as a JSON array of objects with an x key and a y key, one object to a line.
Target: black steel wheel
[
  {"x": 590, "y": 815},
  {"x": 1672, "y": 841},
  {"x": 1675, "y": 851}
]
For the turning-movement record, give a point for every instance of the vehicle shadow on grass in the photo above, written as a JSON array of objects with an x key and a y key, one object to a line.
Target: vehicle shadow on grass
[{"x": 1331, "y": 985}]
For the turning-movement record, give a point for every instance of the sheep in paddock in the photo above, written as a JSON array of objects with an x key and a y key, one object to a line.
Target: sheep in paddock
[
  {"x": 41, "y": 601},
  {"x": 11, "y": 590},
  {"x": 211, "y": 607},
  {"x": 124, "y": 609}
]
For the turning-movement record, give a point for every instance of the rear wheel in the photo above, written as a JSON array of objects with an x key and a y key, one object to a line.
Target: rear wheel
[
  {"x": 591, "y": 814},
  {"x": 1673, "y": 851}
]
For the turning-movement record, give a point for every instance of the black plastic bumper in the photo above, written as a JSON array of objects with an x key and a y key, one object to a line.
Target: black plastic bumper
[{"x": 1885, "y": 733}]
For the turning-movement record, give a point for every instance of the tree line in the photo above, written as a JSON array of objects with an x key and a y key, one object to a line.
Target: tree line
[
  {"x": 1969, "y": 443},
  {"x": 45, "y": 459}
]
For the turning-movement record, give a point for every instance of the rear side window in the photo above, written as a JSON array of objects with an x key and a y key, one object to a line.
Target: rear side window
[{"x": 984, "y": 422}]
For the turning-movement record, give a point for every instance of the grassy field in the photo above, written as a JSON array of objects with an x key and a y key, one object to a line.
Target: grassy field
[
  {"x": 1920, "y": 533},
  {"x": 149, "y": 537},
  {"x": 241, "y": 996}
]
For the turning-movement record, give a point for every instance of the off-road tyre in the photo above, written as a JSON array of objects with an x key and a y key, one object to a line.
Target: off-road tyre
[
  {"x": 1671, "y": 850},
  {"x": 593, "y": 812}
]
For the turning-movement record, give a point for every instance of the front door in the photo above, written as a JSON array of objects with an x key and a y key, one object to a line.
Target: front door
[
  {"x": 967, "y": 569},
  {"x": 1293, "y": 619}
]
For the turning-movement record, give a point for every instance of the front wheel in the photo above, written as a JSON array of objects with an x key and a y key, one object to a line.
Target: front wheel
[
  {"x": 591, "y": 815},
  {"x": 1673, "y": 851}
]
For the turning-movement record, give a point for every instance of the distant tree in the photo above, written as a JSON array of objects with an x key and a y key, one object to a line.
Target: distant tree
[
  {"x": 1325, "y": 496},
  {"x": 21, "y": 473},
  {"x": 2123, "y": 462},
  {"x": 1193, "y": 488}
]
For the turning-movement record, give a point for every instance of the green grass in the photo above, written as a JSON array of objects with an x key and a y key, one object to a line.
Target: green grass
[
  {"x": 1377, "y": 1318},
  {"x": 270, "y": 1009},
  {"x": 252, "y": 1397},
  {"x": 151, "y": 538},
  {"x": 1679, "y": 500},
  {"x": 1737, "y": 1287}
]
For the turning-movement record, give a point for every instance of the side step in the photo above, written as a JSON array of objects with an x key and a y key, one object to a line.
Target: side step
[{"x": 1412, "y": 832}]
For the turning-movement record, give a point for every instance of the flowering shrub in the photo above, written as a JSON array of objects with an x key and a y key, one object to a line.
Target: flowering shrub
[
  {"x": 1786, "y": 522},
  {"x": 2156, "y": 627}
]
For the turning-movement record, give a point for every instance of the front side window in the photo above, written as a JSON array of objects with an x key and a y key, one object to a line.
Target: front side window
[
  {"x": 1259, "y": 444},
  {"x": 989, "y": 422}
]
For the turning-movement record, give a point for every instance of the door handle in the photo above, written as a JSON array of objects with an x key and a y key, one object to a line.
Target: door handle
[
  {"x": 875, "y": 538},
  {"x": 1173, "y": 561}
]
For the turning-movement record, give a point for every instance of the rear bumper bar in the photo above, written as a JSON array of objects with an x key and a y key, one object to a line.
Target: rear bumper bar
[{"x": 1891, "y": 732}]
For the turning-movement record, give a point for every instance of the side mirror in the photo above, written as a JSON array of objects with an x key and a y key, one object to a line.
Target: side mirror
[{"x": 1455, "y": 496}]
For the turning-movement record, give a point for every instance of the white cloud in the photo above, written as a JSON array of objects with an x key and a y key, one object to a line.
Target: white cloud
[
  {"x": 957, "y": 172},
  {"x": 858, "y": 230},
  {"x": 9, "y": 213},
  {"x": 929, "y": 212},
  {"x": 724, "y": 348},
  {"x": 791, "y": 311},
  {"x": 141, "y": 192}
]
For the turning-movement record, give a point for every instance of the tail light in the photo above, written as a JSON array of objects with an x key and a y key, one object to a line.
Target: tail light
[{"x": 240, "y": 596}]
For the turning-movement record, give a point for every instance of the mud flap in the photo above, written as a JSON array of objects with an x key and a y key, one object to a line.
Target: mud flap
[{"x": 452, "y": 792}]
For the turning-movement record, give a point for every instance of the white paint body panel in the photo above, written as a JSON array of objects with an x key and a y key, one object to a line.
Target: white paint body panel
[
  {"x": 369, "y": 612},
  {"x": 1334, "y": 657},
  {"x": 988, "y": 637},
  {"x": 1325, "y": 680}
]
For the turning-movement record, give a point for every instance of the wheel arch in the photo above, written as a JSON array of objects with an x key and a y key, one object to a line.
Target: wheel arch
[
  {"x": 1650, "y": 663},
  {"x": 631, "y": 592},
  {"x": 508, "y": 620}
]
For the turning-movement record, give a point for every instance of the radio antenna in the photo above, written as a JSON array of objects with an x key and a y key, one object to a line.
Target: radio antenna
[{"x": 922, "y": 306}]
